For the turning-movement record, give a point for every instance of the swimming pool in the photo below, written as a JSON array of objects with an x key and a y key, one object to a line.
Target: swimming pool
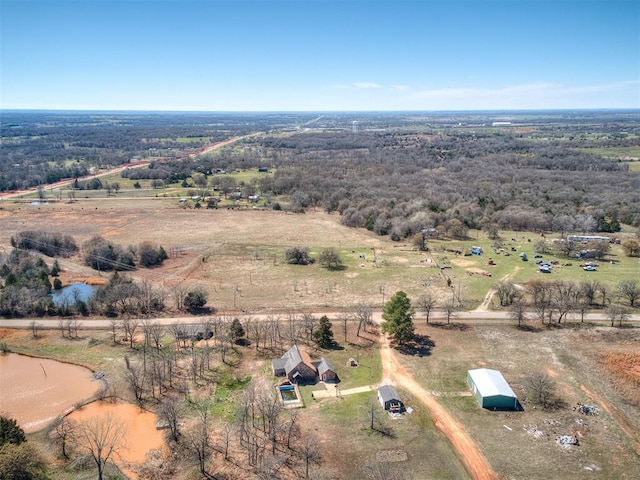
[{"x": 288, "y": 393}]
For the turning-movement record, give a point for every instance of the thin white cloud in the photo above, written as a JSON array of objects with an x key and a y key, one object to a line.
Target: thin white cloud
[
  {"x": 530, "y": 95},
  {"x": 400, "y": 88},
  {"x": 367, "y": 85}
]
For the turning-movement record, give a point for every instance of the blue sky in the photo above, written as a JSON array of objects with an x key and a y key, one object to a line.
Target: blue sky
[{"x": 319, "y": 55}]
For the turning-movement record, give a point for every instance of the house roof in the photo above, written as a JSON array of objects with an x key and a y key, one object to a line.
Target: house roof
[
  {"x": 388, "y": 392},
  {"x": 294, "y": 357},
  {"x": 490, "y": 383},
  {"x": 279, "y": 363},
  {"x": 325, "y": 366}
]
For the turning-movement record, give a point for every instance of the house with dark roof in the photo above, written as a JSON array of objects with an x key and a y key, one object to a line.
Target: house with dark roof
[
  {"x": 389, "y": 399},
  {"x": 297, "y": 366}
]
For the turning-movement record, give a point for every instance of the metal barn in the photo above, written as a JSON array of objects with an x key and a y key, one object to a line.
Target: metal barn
[{"x": 491, "y": 389}]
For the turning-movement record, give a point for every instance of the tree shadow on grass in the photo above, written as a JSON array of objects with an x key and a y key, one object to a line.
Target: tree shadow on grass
[
  {"x": 529, "y": 328},
  {"x": 420, "y": 346},
  {"x": 338, "y": 268},
  {"x": 450, "y": 326},
  {"x": 334, "y": 346}
]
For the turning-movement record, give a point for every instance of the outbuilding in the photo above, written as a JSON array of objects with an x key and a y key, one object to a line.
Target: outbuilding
[
  {"x": 389, "y": 399},
  {"x": 491, "y": 389}
]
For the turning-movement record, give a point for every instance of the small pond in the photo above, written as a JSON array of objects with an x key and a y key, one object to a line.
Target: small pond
[
  {"x": 69, "y": 294},
  {"x": 140, "y": 437},
  {"x": 35, "y": 391}
]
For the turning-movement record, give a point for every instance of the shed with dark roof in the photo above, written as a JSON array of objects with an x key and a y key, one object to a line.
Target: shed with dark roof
[
  {"x": 326, "y": 372},
  {"x": 389, "y": 399}
]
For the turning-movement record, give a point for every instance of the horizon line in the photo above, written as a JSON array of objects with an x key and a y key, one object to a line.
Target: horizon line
[{"x": 529, "y": 110}]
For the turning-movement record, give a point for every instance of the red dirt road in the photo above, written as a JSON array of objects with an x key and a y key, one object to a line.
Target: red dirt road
[{"x": 473, "y": 460}]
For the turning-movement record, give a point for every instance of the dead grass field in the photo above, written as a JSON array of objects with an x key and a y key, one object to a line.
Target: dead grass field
[{"x": 222, "y": 249}]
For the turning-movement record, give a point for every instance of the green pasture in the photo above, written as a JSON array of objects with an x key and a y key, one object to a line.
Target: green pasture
[
  {"x": 615, "y": 152},
  {"x": 614, "y": 268}
]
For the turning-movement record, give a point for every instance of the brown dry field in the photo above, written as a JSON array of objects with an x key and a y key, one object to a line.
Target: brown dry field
[{"x": 220, "y": 249}]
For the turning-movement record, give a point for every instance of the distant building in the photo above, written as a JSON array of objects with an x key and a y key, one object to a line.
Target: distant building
[
  {"x": 587, "y": 238},
  {"x": 355, "y": 128}
]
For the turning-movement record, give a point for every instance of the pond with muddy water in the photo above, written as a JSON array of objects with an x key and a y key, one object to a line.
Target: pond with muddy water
[{"x": 35, "y": 391}]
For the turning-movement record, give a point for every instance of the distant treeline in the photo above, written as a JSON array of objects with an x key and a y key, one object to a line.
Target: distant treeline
[
  {"x": 40, "y": 148},
  {"x": 403, "y": 183}
]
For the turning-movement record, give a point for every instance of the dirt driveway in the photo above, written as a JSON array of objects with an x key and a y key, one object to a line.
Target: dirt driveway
[{"x": 473, "y": 460}]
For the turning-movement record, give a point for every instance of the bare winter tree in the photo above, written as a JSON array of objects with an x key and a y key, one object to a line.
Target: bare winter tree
[
  {"x": 198, "y": 439},
  {"x": 617, "y": 313},
  {"x": 171, "y": 411},
  {"x": 309, "y": 454},
  {"x": 101, "y": 437},
  {"x": 156, "y": 331},
  {"x": 541, "y": 298},
  {"x": 507, "y": 292},
  {"x": 179, "y": 294},
  {"x": 449, "y": 310},
  {"x": 35, "y": 326},
  {"x": 310, "y": 324},
  {"x": 114, "y": 324},
  {"x": 225, "y": 439},
  {"x": 364, "y": 317},
  {"x": 427, "y": 303},
  {"x": 137, "y": 379},
  {"x": 518, "y": 311},
  {"x": 344, "y": 318},
  {"x": 65, "y": 434},
  {"x": 130, "y": 326},
  {"x": 542, "y": 387},
  {"x": 630, "y": 290}
]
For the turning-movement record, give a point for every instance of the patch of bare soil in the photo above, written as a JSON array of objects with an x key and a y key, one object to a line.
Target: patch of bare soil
[{"x": 461, "y": 262}]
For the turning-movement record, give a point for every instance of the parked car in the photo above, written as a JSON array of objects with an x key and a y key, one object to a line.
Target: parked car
[{"x": 590, "y": 268}]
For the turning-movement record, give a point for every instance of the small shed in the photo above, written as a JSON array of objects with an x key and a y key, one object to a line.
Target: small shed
[
  {"x": 326, "y": 371},
  {"x": 491, "y": 389},
  {"x": 389, "y": 399}
]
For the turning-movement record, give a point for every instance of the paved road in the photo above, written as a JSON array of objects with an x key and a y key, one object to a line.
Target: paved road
[
  {"x": 120, "y": 168},
  {"x": 471, "y": 317}
]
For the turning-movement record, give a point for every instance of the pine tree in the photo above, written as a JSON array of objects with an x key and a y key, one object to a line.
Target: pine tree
[
  {"x": 236, "y": 330},
  {"x": 324, "y": 335},
  {"x": 398, "y": 318}
]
